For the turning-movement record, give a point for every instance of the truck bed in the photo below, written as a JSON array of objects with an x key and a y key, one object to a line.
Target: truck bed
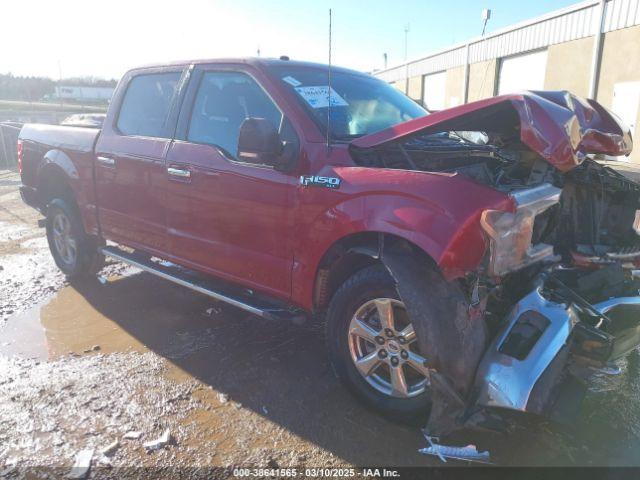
[
  {"x": 78, "y": 139},
  {"x": 51, "y": 150}
]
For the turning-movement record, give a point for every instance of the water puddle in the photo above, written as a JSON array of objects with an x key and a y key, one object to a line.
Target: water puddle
[
  {"x": 124, "y": 314},
  {"x": 24, "y": 336},
  {"x": 65, "y": 324}
]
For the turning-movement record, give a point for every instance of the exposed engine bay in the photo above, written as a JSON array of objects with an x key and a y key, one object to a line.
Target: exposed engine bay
[
  {"x": 558, "y": 291},
  {"x": 592, "y": 219}
]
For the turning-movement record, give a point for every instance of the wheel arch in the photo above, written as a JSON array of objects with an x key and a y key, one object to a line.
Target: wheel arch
[
  {"x": 56, "y": 176},
  {"x": 352, "y": 253}
]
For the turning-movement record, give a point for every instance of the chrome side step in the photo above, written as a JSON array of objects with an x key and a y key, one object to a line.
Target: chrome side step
[{"x": 212, "y": 288}]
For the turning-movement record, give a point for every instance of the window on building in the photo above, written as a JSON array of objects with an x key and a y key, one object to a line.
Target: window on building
[
  {"x": 223, "y": 102},
  {"x": 146, "y": 104},
  {"x": 522, "y": 72},
  {"x": 434, "y": 91}
]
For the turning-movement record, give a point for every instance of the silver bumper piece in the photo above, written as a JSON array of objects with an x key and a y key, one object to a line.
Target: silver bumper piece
[{"x": 502, "y": 380}]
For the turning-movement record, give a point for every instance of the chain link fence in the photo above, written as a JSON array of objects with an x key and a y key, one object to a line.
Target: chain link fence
[{"x": 8, "y": 138}]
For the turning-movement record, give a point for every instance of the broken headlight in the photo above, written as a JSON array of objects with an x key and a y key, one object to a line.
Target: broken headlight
[{"x": 510, "y": 233}]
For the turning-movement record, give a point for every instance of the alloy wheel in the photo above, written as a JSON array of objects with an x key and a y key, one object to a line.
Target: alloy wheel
[
  {"x": 384, "y": 350},
  {"x": 63, "y": 239}
]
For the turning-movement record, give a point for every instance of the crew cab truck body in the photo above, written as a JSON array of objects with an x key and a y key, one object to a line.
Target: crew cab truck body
[{"x": 473, "y": 256}]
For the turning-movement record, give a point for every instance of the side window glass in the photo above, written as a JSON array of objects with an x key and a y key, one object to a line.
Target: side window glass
[
  {"x": 224, "y": 100},
  {"x": 146, "y": 104}
]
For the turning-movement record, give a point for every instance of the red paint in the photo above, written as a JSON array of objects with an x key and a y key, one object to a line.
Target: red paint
[
  {"x": 131, "y": 194},
  {"x": 231, "y": 219},
  {"x": 259, "y": 227},
  {"x": 47, "y": 150}
]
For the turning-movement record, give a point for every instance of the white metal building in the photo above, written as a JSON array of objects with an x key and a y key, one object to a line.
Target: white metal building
[{"x": 591, "y": 48}]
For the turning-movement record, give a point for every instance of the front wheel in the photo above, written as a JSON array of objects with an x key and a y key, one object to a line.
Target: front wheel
[
  {"x": 74, "y": 252},
  {"x": 373, "y": 348}
]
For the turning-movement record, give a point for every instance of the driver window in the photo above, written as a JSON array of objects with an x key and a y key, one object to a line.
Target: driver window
[{"x": 224, "y": 100}]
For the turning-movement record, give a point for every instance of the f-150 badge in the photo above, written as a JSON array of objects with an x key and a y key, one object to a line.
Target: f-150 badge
[{"x": 317, "y": 181}]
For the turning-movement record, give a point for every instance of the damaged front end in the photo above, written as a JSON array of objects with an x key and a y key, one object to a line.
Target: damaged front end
[
  {"x": 563, "y": 294},
  {"x": 557, "y": 295},
  {"x": 552, "y": 340},
  {"x": 564, "y": 297}
]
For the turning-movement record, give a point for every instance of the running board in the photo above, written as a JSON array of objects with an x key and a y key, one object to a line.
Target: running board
[{"x": 215, "y": 289}]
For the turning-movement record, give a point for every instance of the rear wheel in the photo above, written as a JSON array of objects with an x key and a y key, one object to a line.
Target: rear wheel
[
  {"x": 373, "y": 348},
  {"x": 74, "y": 252}
]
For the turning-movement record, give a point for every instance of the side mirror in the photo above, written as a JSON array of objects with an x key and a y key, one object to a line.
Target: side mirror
[{"x": 259, "y": 142}]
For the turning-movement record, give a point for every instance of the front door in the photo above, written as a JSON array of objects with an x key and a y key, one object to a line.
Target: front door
[
  {"x": 230, "y": 218},
  {"x": 130, "y": 155}
]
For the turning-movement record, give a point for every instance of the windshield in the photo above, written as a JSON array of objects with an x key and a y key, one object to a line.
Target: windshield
[{"x": 360, "y": 104}]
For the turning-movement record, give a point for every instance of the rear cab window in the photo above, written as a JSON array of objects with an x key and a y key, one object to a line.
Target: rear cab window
[{"x": 146, "y": 104}]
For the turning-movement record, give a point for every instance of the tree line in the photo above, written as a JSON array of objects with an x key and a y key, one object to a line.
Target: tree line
[{"x": 36, "y": 88}]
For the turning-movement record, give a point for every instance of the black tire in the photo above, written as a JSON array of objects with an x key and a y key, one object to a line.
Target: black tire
[
  {"x": 365, "y": 285},
  {"x": 86, "y": 261}
]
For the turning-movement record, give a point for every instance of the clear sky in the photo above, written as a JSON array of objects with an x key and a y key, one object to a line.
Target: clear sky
[{"x": 105, "y": 38}]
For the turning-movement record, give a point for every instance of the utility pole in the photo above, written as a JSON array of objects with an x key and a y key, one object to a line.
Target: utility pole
[
  {"x": 406, "y": 59},
  {"x": 484, "y": 16}
]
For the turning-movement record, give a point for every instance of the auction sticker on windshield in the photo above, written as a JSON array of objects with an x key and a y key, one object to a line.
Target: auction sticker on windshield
[
  {"x": 291, "y": 81},
  {"x": 318, "y": 97}
]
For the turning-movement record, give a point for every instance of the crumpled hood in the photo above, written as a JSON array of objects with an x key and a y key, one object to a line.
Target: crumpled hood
[{"x": 561, "y": 127}]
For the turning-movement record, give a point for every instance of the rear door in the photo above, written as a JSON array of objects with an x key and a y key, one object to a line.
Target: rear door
[
  {"x": 227, "y": 217},
  {"x": 130, "y": 153}
]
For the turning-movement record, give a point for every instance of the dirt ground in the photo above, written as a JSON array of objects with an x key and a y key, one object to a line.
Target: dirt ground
[{"x": 82, "y": 365}]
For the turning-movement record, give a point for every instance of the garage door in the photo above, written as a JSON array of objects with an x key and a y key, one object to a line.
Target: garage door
[
  {"x": 522, "y": 72},
  {"x": 625, "y": 104},
  {"x": 433, "y": 95}
]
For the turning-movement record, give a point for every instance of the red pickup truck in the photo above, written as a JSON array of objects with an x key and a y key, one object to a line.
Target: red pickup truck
[{"x": 473, "y": 259}]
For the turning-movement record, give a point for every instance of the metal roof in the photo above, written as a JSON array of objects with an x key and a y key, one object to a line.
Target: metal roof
[{"x": 570, "y": 23}]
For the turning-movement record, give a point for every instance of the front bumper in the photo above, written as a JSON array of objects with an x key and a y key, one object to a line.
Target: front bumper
[{"x": 548, "y": 336}]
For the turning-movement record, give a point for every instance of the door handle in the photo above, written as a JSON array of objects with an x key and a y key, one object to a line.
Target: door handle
[
  {"x": 179, "y": 172},
  {"x": 107, "y": 161}
]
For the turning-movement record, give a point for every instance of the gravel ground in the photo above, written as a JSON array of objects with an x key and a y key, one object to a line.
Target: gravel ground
[
  {"x": 27, "y": 273},
  {"x": 88, "y": 402}
]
